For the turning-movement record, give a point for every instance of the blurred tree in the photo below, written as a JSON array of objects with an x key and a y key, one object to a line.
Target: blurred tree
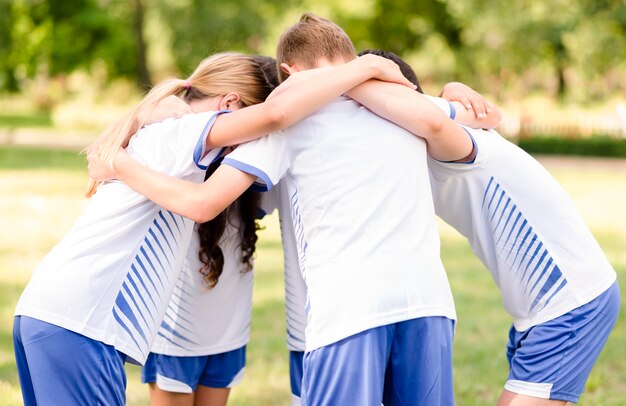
[
  {"x": 518, "y": 46},
  {"x": 200, "y": 28},
  {"x": 51, "y": 37},
  {"x": 402, "y": 25},
  {"x": 7, "y": 69}
]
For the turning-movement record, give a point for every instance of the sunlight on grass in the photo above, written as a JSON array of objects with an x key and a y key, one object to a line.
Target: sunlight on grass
[{"x": 39, "y": 205}]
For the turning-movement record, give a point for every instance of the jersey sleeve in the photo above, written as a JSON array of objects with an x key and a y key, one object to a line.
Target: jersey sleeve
[
  {"x": 446, "y": 166},
  {"x": 191, "y": 132},
  {"x": 444, "y": 105},
  {"x": 267, "y": 158},
  {"x": 269, "y": 201}
]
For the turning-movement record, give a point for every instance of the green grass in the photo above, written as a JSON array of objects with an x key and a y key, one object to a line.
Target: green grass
[
  {"x": 41, "y": 195},
  {"x": 25, "y": 158},
  {"x": 32, "y": 120}
]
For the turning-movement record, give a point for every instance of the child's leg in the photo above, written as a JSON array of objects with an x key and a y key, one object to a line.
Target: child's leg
[
  {"x": 26, "y": 384},
  {"x": 222, "y": 372},
  {"x": 419, "y": 371},
  {"x": 295, "y": 376},
  {"x": 553, "y": 360},
  {"x": 515, "y": 399},
  {"x": 200, "y": 380},
  {"x": 206, "y": 396},
  {"x": 348, "y": 372},
  {"x": 67, "y": 368},
  {"x": 160, "y": 397}
]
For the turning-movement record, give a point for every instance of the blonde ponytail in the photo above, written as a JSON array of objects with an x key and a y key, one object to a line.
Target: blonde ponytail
[{"x": 217, "y": 75}]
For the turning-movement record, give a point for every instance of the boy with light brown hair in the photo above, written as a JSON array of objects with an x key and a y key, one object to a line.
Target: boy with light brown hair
[{"x": 380, "y": 315}]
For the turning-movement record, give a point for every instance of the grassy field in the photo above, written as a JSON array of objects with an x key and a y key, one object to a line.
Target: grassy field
[{"x": 41, "y": 195}]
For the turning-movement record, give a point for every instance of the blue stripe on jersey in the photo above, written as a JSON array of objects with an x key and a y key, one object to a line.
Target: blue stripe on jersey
[
  {"x": 175, "y": 321},
  {"x": 452, "y": 111},
  {"x": 563, "y": 283},
  {"x": 487, "y": 191},
  {"x": 175, "y": 333},
  {"x": 136, "y": 272},
  {"x": 172, "y": 342},
  {"x": 167, "y": 224},
  {"x": 132, "y": 298},
  {"x": 178, "y": 317},
  {"x": 178, "y": 296},
  {"x": 530, "y": 229},
  {"x": 123, "y": 306},
  {"x": 533, "y": 256},
  {"x": 145, "y": 272},
  {"x": 200, "y": 144},
  {"x": 538, "y": 273},
  {"x": 162, "y": 234},
  {"x": 553, "y": 278},
  {"x": 154, "y": 237},
  {"x": 298, "y": 228},
  {"x": 519, "y": 232},
  {"x": 158, "y": 258},
  {"x": 142, "y": 249},
  {"x": 498, "y": 206},
  {"x": 508, "y": 201},
  {"x": 125, "y": 327},
  {"x": 141, "y": 299},
  {"x": 175, "y": 222}
]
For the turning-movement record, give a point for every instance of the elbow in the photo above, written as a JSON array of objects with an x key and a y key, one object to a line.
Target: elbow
[
  {"x": 199, "y": 210},
  {"x": 494, "y": 116},
  {"x": 203, "y": 213},
  {"x": 434, "y": 125},
  {"x": 277, "y": 117}
]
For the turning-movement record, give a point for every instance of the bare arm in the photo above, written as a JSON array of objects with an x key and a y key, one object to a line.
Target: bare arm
[
  {"x": 472, "y": 109},
  {"x": 200, "y": 202},
  {"x": 446, "y": 140},
  {"x": 300, "y": 100}
]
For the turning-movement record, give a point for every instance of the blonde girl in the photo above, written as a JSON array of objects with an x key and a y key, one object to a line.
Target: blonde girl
[{"x": 98, "y": 298}]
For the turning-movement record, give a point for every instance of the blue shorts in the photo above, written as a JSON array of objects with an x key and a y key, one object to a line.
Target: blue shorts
[
  {"x": 405, "y": 363},
  {"x": 295, "y": 375},
  {"x": 184, "y": 374},
  {"x": 59, "y": 367},
  {"x": 553, "y": 360}
]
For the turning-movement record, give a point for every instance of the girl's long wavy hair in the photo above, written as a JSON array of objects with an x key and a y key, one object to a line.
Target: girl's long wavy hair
[
  {"x": 216, "y": 75},
  {"x": 246, "y": 209}
]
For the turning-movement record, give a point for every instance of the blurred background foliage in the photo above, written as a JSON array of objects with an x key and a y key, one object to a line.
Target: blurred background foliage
[{"x": 58, "y": 55}]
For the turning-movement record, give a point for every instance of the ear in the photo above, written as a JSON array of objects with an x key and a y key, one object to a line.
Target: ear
[
  {"x": 289, "y": 69},
  {"x": 229, "y": 101}
]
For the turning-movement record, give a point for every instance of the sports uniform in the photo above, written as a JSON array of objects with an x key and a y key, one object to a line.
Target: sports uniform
[
  {"x": 204, "y": 332},
  {"x": 368, "y": 243},
  {"x": 555, "y": 280},
  {"x": 109, "y": 280},
  {"x": 295, "y": 289}
]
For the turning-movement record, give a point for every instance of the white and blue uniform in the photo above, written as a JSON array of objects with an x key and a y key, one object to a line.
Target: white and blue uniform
[
  {"x": 205, "y": 326},
  {"x": 111, "y": 277},
  {"x": 366, "y": 233},
  {"x": 295, "y": 288},
  {"x": 525, "y": 229}
]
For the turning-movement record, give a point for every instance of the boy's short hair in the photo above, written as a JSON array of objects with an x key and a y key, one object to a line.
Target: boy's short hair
[
  {"x": 405, "y": 68},
  {"x": 311, "y": 39}
]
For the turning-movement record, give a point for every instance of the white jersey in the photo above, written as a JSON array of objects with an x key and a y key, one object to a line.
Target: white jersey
[
  {"x": 363, "y": 218},
  {"x": 204, "y": 321},
  {"x": 111, "y": 277},
  {"x": 524, "y": 228},
  {"x": 295, "y": 288}
]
